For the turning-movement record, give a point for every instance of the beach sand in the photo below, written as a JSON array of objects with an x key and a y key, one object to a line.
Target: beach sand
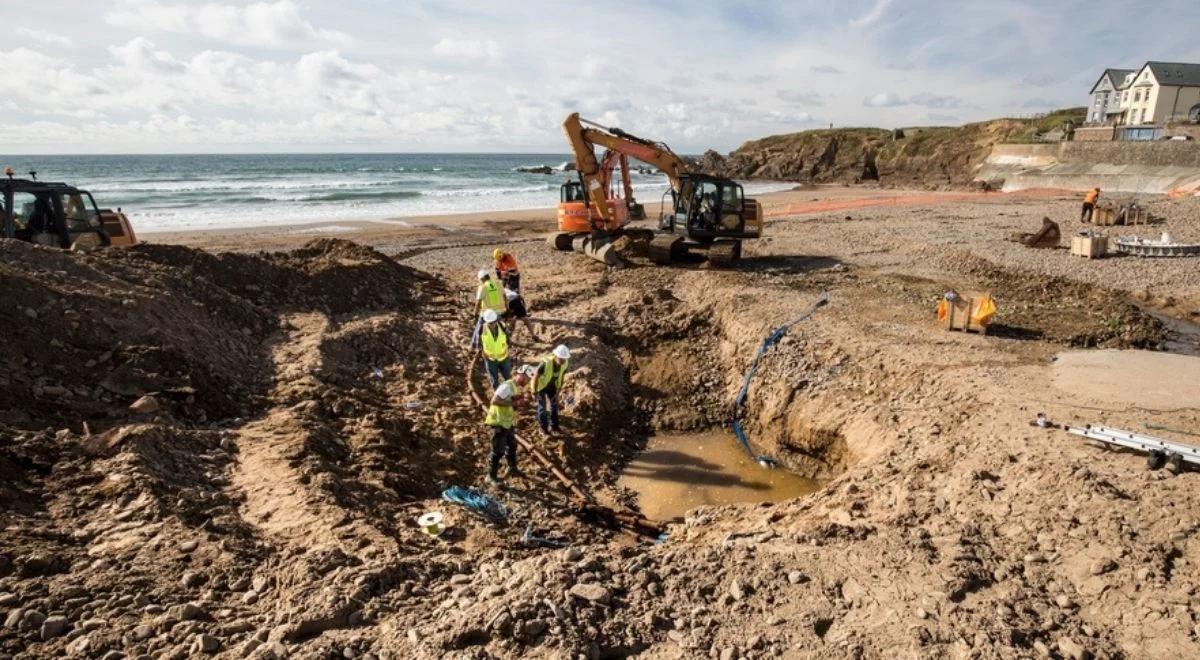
[{"x": 461, "y": 227}]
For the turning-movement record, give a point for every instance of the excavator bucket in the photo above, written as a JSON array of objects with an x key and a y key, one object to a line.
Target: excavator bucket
[
  {"x": 598, "y": 246},
  {"x": 1048, "y": 237}
]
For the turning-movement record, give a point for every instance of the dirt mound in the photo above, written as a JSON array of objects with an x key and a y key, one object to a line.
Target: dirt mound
[{"x": 90, "y": 334}]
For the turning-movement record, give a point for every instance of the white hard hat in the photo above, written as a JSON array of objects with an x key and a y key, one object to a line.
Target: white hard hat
[
  {"x": 483, "y": 274},
  {"x": 490, "y": 316},
  {"x": 562, "y": 352}
]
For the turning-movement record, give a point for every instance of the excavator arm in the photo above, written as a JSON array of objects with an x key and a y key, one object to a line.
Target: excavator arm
[{"x": 583, "y": 142}]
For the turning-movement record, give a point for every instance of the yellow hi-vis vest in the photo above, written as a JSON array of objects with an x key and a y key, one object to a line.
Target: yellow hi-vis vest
[
  {"x": 495, "y": 348},
  {"x": 502, "y": 415},
  {"x": 549, "y": 373},
  {"x": 493, "y": 296}
]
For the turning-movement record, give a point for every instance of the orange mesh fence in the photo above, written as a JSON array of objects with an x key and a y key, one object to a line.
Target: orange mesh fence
[{"x": 823, "y": 206}]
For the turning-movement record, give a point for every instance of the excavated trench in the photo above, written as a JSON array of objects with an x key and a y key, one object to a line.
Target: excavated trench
[{"x": 683, "y": 367}]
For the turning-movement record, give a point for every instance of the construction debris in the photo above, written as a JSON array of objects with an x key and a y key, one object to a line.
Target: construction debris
[
  {"x": 1046, "y": 237},
  {"x": 1159, "y": 451},
  {"x": 1164, "y": 247}
]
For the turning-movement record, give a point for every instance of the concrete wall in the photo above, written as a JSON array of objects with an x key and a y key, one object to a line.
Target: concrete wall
[{"x": 1137, "y": 167}]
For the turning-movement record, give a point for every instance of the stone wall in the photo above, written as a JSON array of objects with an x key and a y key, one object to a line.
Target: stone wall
[
  {"x": 1159, "y": 153},
  {"x": 1094, "y": 134}
]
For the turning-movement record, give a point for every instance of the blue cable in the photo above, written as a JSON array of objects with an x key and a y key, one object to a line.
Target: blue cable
[
  {"x": 477, "y": 502},
  {"x": 739, "y": 402}
]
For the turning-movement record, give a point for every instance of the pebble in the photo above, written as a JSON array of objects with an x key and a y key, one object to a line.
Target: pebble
[
  {"x": 795, "y": 577},
  {"x": 188, "y": 546},
  {"x": 922, "y": 614},
  {"x": 729, "y": 653},
  {"x": 145, "y": 405},
  {"x": 54, "y": 626},
  {"x": 142, "y": 632},
  {"x": 591, "y": 592},
  {"x": 1072, "y": 649},
  {"x": 204, "y": 643},
  {"x": 191, "y": 579},
  {"x": 736, "y": 590},
  {"x": 8, "y": 599},
  {"x": 1103, "y": 566},
  {"x": 250, "y": 597},
  {"x": 1064, "y": 601},
  {"x": 186, "y": 611},
  {"x": 572, "y": 554}
]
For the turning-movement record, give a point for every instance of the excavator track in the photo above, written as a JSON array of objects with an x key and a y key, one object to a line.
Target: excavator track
[
  {"x": 665, "y": 248},
  {"x": 724, "y": 253}
]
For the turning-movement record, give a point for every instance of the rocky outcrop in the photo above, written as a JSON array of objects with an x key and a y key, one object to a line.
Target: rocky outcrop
[{"x": 927, "y": 156}]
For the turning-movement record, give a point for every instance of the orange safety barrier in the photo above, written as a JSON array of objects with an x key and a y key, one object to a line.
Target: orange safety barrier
[{"x": 904, "y": 200}]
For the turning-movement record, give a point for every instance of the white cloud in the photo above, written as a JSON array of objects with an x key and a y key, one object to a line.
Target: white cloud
[
  {"x": 883, "y": 100},
  {"x": 258, "y": 24},
  {"x": 41, "y": 36},
  {"x": 876, "y": 12},
  {"x": 924, "y": 99},
  {"x": 801, "y": 96},
  {"x": 141, "y": 54},
  {"x": 467, "y": 49}
]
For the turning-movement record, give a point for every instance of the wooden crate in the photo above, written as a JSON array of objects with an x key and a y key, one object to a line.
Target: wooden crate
[
  {"x": 958, "y": 316},
  {"x": 1104, "y": 216},
  {"x": 1090, "y": 247}
]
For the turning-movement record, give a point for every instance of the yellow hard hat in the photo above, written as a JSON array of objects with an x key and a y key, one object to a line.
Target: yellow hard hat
[{"x": 497, "y": 253}]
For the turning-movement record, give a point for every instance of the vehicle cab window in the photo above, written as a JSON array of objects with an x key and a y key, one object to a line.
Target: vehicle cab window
[
  {"x": 81, "y": 216},
  {"x": 731, "y": 207}
]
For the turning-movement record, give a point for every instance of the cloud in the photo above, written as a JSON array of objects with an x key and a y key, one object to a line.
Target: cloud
[
  {"x": 258, "y": 24},
  {"x": 469, "y": 50},
  {"x": 876, "y": 12},
  {"x": 924, "y": 99},
  {"x": 801, "y": 97},
  {"x": 48, "y": 38},
  {"x": 140, "y": 54},
  {"x": 928, "y": 100},
  {"x": 824, "y": 68},
  {"x": 884, "y": 100}
]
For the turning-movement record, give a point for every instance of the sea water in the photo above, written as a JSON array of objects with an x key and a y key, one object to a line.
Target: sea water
[{"x": 185, "y": 192}]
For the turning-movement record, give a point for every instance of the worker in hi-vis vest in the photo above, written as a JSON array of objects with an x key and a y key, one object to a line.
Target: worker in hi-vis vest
[
  {"x": 502, "y": 417},
  {"x": 546, "y": 384},
  {"x": 494, "y": 339},
  {"x": 490, "y": 295},
  {"x": 1089, "y": 205}
]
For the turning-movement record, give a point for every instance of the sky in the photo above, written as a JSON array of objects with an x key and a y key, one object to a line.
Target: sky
[{"x": 214, "y": 76}]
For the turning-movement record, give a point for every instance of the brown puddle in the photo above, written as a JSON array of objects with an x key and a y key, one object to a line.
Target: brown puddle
[{"x": 677, "y": 473}]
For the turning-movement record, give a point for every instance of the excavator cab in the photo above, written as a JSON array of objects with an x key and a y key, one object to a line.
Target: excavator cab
[
  {"x": 58, "y": 215},
  {"x": 707, "y": 207}
]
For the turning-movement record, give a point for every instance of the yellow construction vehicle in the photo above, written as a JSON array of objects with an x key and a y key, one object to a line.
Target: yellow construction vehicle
[
  {"x": 704, "y": 212},
  {"x": 58, "y": 215}
]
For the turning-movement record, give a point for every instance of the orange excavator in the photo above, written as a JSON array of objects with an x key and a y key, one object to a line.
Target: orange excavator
[
  {"x": 58, "y": 215},
  {"x": 704, "y": 213}
]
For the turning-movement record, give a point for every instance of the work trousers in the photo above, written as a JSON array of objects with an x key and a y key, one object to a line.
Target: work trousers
[
  {"x": 497, "y": 369},
  {"x": 547, "y": 407},
  {"x": 504, "y": 444},
  {"x": 1086, "y": 214}
]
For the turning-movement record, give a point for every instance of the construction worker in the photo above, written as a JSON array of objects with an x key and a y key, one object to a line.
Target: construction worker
[
  {"x": 517, "y": 310},
  {"x": 501, "y": 417},
  {"x": 1089, "y": 204},
  {"x": 506, "y": 269},
  {"x": 494, "y": 339},
  {"x": 490, "y": 295},
  {"x": 545, "y": 386}
]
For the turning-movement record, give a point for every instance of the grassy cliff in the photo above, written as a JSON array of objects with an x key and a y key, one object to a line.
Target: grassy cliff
[{"x": 929, "y": 155}]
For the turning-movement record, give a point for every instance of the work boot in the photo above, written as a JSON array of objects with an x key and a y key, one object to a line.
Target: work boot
[
  {"x": 545, "y": 433},
  {"x": 494, "y": 480},
  {"x": 516, "y": 473}
]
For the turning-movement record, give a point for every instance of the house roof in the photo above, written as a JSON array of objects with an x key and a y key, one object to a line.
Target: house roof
[
  {"x": 1115, "y": 76},
  {"x": 1176, "y": 74}
]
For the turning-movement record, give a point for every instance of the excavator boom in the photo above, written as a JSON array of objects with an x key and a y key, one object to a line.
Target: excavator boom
[{"x": 706, "y": 212}]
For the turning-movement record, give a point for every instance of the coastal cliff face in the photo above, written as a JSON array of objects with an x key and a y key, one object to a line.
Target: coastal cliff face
[{"x": 930, "y": 156}]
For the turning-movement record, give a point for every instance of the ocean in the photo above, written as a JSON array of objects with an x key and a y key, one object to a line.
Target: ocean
[{"x": 186, "y": 192}]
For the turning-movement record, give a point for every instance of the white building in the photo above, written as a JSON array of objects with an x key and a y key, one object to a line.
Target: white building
[{"x": 1157, "y": 93}]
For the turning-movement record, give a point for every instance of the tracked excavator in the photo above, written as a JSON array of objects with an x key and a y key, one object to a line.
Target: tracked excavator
[{"x": 704, "y": 213}]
